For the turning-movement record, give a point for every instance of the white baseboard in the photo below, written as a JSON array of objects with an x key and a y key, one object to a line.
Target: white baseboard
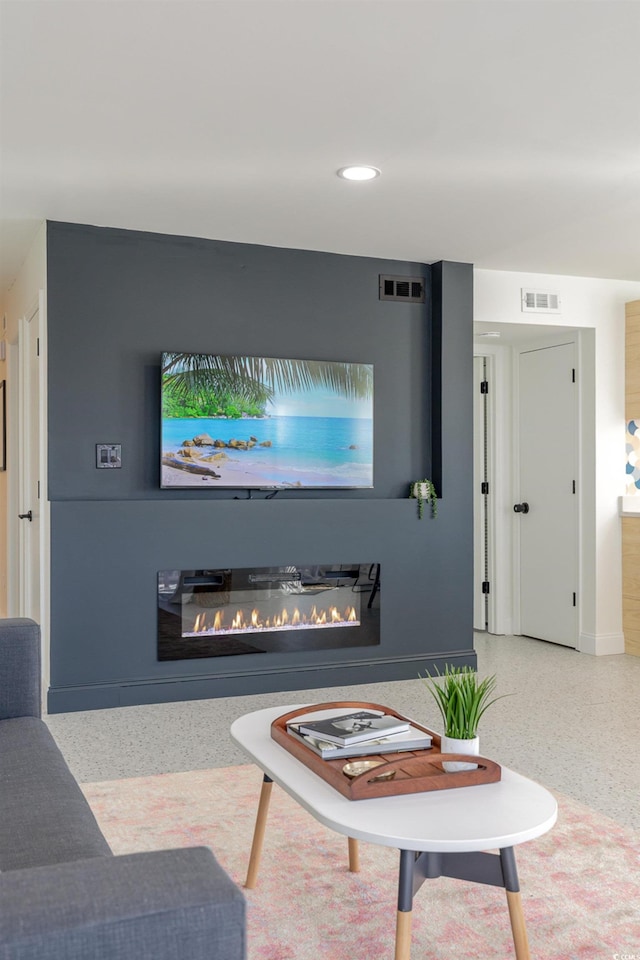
[
  {"x": 601, "y": 644},
  {"x": 502, "y": 626}
]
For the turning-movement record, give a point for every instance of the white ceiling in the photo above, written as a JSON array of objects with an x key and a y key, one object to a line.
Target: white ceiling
[{"x": 508, "y": 133}]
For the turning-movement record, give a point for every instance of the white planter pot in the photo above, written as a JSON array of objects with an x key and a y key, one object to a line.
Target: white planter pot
[{"x": 452, "y": 745}]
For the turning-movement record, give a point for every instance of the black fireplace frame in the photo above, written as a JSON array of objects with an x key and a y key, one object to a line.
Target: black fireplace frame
[{"x": 362, "y": 579}]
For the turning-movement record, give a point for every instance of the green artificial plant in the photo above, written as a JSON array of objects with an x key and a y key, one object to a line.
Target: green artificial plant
[
  {"x": 424, "y": 492},
  {"x": 462, "y": 699}
]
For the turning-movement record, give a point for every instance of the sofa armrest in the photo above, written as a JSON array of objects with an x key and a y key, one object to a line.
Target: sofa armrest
[
  {"x": 143, "y": 906},
  {"x": 20, "y": 691}
]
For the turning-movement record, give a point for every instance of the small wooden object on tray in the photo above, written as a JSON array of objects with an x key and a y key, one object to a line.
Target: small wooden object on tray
[{"x": 415, "y": 770}]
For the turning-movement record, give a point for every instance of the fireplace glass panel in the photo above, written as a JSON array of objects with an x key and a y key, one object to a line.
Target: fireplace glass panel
[{"x": 225, "y": 611}]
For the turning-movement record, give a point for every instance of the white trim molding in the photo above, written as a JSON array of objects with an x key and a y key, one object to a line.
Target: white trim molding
[
  {"x": 629, "y": 506},
  {"x": 602, "y": 644}
]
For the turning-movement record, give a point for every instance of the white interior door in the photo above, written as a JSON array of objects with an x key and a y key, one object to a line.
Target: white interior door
[
  {"x": 29, "y": 465},
  {"x": 547, "y": 482}
]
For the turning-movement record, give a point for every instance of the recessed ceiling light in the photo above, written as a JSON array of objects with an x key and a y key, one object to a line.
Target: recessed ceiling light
[
  {"x": 490, "y": 333},
  {"x": 358, "y": 172}
]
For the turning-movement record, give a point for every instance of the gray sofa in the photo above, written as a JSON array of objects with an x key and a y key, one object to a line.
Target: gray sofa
[{"x": 63, "y": 894}]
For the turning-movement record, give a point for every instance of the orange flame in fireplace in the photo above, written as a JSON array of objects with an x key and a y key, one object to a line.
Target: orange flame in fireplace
[{"x": 241, "y": 623}]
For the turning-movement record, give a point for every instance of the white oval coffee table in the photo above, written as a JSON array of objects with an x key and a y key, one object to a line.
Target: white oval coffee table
[{"x": 438, "y": 833}]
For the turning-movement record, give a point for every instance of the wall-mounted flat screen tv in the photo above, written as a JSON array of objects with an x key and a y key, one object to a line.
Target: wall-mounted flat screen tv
[{"x": 265, "y": 423}]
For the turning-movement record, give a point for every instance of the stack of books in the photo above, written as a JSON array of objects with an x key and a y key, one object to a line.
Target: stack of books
[{"x": 358, "y": 735}]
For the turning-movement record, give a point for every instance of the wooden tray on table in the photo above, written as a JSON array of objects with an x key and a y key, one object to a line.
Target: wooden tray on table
[{"x": 415, "y": 770}]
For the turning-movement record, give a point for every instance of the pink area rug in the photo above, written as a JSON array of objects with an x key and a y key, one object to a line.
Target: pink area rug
[{"x": 580, "y": 883}]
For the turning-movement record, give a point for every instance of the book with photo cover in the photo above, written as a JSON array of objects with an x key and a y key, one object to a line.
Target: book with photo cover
[
  {"x": 411, "y": 739},
  {"x": 352, "y": 728}
]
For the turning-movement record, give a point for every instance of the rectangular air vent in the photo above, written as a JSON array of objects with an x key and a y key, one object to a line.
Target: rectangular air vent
[
  {"x": 540, "y": 301},
  {"x": 404, "y": 289}
]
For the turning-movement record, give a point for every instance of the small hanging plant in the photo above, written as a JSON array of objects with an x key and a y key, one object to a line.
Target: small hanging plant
[{"x": 424, "y": 492}]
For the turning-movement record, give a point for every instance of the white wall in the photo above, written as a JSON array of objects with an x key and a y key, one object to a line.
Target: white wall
[
  {"x": 23, "y": 293},
  {"x": 598, "y": 305}
]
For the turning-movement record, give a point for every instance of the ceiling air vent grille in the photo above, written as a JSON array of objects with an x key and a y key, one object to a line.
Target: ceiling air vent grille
[
  {"x": 404, "y": 289},
  {"x": 540, "y": 301}
]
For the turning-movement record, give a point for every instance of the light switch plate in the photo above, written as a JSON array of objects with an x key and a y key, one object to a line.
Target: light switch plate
[{"x": 108, "y": 456}]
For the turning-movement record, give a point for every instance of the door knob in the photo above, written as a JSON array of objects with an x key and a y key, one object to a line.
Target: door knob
[
  {"x": 521, "y": 508},
  {"x": 26, "y": 516}
]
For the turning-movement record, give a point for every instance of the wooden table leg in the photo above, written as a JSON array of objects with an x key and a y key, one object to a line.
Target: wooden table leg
[
  {"x": 354, "y": 855},
  {"x": 258, "y": 833},
  {"x": 403, "y": 935},
  {"x": 518, "y": 928},
  {"x": 514, "y": 902}
]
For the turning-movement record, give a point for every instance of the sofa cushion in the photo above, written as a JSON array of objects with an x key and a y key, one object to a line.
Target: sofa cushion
[
  {"x": 177, "y": 904},
  {"x": 44, "y": 817}
]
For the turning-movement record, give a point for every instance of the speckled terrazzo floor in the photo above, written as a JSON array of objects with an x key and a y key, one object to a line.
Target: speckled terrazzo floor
[{"x": 572, "y": 722}]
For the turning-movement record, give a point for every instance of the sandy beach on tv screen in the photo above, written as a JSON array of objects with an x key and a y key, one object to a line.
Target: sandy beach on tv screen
[
  {"x": 244, "y": 475},
  {"x": 231, "y": 473}
]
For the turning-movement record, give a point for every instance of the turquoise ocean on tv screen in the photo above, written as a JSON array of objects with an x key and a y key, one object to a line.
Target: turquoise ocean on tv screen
[{"x": 307, "y": 451}]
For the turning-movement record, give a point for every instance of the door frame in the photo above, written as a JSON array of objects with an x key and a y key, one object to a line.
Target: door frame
[
  {"x": 19, "y": 408},
  {"x": 28, "y": 328},
  {"x": 504, "y": 569},
  {"x": 481, "y": 506},
  {"x": 498, "y": 440}
]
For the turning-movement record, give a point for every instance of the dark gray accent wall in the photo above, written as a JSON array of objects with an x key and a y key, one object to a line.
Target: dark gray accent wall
[{"x": 116, "y": 300}]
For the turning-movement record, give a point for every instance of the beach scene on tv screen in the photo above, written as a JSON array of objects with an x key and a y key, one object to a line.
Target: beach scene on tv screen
[{"x": 265, "y": 422}]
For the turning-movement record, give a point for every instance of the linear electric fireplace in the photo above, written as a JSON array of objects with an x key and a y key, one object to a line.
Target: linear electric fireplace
[{"x": 225, "y": 612}]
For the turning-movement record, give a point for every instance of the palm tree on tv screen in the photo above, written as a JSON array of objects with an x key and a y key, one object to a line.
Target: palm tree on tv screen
[{"x": 258, "y": 379}]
